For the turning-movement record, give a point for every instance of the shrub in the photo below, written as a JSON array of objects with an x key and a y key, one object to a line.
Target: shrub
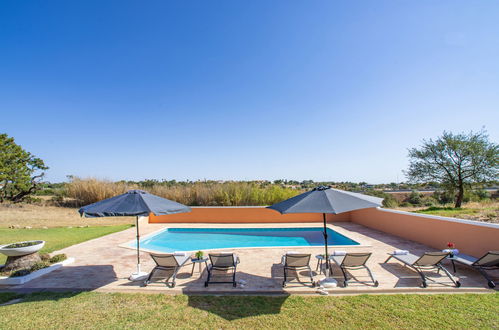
[
  {"x": 20, "y": 272},
  {"x": 449, "y": 196},
  {"x": 476, "y": 195},
  {"x": 390, "y": 202},
  {"x": 388, "y": 199},
  {"x": 57, "y": 199},
  {"x": 58, "y": 258},
  {"x": 45, "y": 192},
  {"x": 415, "y": 198},
  {"x": 39, "y": 265},
  {"x": 428, "y": 201},
  {"x": 32, "y": 200},
  {"x": 482, "y": 194},
  {"x": 444, "y": 196},
  {"x": 21, "y": 245}
]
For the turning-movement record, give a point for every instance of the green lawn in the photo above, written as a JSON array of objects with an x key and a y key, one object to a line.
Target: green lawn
[
  {"x": 156, "y": 311},
  {"x": 55, "y": 238}
]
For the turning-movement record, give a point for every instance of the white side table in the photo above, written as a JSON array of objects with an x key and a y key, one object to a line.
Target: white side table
[
  {"x": 320, "y": 259},
  {"x": 199, "y": 262}
]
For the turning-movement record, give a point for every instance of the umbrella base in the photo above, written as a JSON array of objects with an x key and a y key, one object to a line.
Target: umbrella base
[
  {"x": 328, "y": 282},
  {"x": 141, "y": 276}
]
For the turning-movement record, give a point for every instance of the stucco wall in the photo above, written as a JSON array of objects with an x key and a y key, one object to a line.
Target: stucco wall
[
  {"x": 471, "y": 237},
  {"x": 242, "y": 215}
]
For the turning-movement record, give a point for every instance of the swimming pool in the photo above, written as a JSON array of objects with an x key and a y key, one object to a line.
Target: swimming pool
[{"x": 194, "y": 239}]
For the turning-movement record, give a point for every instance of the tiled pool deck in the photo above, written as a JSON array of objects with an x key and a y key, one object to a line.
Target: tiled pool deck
[{"x": 101, "y": 264}]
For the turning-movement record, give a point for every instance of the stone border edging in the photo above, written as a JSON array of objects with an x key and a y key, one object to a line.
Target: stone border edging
[{"x": 4, "y": 280}]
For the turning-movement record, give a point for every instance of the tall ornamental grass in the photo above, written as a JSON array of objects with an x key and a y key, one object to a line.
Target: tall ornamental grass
[
  {"x": 87, "y": 191},
  {"x": 200, "y": 193}
]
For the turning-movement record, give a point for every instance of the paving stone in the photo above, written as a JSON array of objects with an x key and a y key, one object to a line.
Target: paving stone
[{"x": 101, "y": 264}]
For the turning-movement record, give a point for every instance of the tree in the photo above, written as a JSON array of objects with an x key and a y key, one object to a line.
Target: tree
[
  {"x": 20, "y": 171},
  {"x": 457, "y": 161}
]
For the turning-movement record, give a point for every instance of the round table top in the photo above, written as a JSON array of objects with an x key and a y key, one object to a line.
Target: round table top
[{"x": 203, "y": 259}]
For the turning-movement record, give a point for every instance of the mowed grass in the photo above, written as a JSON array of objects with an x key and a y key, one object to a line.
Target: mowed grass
[
  {"x": 56, "y": 238},
  {"x": 150, "y": 311}
]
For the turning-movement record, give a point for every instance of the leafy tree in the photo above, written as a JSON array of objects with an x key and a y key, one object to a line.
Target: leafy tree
[
  {"x": 457, "y": 161},
  {"x": 20, "y": 171}
]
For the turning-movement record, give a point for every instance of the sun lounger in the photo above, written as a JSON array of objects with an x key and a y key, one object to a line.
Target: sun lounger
[
  {"x": 167, "y": 262},
  {"x": 430, "y": 261},
  {"x": 489, "y": 261},
  {"x": 296, "y": 261},
  {"x": 352, "y": 261},
  {"x": 222, "y": 262}
]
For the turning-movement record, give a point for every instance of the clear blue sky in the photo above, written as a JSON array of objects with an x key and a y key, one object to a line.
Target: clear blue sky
[{"x": 322, "y": 90}]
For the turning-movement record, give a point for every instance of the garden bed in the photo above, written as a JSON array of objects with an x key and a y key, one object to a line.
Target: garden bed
[{"x": 6, "y": 280}]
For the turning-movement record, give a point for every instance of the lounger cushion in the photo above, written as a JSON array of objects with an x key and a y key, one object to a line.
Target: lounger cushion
[
  {"x": 405, "y": 258},
  {"x": 182, "y": 259},
  {"x": 337, "y": 259},
  {"x": 465, "y": 259}
]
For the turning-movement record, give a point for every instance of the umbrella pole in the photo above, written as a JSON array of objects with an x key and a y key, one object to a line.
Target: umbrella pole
[
  {"x": 137, "y": 276},
  {"x": 325, "y": 243},
  {"x": 327, "y": 282},
  {"x": 138, "y": 244}
]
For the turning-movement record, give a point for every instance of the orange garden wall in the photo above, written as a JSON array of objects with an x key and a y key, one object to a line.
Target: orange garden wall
[
  {"x": 471, "y": 237},
  {"x": 242, "y": 215}
]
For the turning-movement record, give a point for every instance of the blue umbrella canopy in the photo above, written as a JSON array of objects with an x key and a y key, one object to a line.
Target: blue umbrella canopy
[
  {"x": 132, "y": 203},
  {"x": 325, "y": 199}
]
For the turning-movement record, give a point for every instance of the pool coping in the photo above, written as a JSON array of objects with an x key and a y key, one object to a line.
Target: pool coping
[{"x": 126, "y": 245}]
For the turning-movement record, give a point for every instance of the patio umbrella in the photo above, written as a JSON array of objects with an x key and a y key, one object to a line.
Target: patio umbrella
[
  {"x": 326, "y": 200},
  {"x": 133, "y": 203}
]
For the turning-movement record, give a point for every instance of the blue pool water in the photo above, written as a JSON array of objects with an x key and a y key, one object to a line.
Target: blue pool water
[{"x": 193, "y": 239}]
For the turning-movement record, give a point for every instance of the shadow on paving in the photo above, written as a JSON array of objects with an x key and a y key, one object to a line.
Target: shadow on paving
[
  {"x": 246, "y": 282},
  {"x": 408, "y": 277},
  {"x": 469, "y": 277},
  {"x": 70, "y": 278}
]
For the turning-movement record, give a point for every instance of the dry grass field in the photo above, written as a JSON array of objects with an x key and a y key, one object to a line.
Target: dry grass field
[
  {"x": 487, "y": 211},
  {"x": 36, "y": 216}
]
